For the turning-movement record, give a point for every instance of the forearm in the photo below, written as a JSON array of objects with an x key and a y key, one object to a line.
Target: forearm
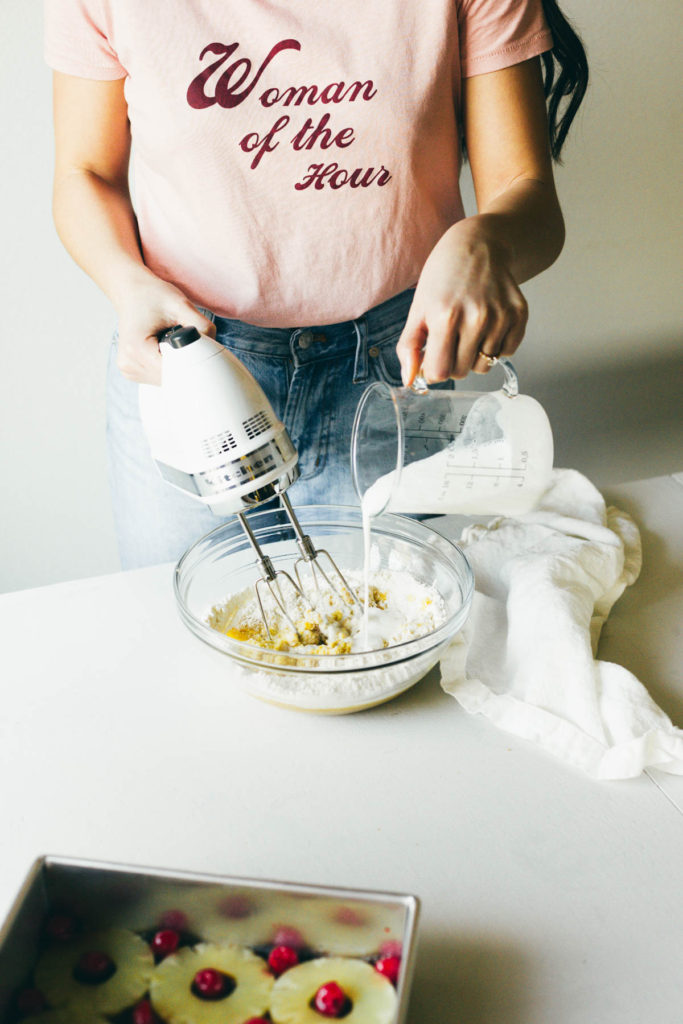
[
  {"x": 468, "y": 307},
  {"x": 97, "y": 225},
  {"x": 96, "y": 222},
  {"x": 524, "y": 222}
]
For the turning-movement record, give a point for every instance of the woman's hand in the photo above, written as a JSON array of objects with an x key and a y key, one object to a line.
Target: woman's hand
[
  {"x": 149, "y": 307},
  {"x": 466, "y": 303},
  {"x": 468, "y": 299}
]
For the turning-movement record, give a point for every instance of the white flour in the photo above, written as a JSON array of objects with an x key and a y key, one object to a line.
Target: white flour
[
  {"x": 400, "y": 608},
  {"x": 412, "y": 611}
]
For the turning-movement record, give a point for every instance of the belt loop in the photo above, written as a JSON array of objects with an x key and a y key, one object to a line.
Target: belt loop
[
  {"x": 293, "y": 347},
  {"x": 360, "y": 366}
]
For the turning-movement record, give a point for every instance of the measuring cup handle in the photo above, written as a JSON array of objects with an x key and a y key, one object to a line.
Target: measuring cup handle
[{"x": 510, "y": 385}]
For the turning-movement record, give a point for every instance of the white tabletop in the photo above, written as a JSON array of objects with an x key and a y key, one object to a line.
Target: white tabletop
[{"x": 546, "y": 897}]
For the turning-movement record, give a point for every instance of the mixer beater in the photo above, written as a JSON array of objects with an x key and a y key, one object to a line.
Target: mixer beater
[
  {"x": 273, "y": 579},
  {"x": 214, "y": 435}
]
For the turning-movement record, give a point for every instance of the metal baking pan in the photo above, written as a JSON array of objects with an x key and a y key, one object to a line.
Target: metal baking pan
[{"x": 249, "y": 912}]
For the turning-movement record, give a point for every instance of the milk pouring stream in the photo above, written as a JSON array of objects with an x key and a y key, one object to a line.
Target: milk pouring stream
[{"x": 435, "y": 452}]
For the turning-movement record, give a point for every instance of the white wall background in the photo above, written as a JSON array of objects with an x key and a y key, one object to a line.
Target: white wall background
[{"x": 603, "y": 350}]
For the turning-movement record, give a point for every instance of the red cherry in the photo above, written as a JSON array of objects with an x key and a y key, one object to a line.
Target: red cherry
[
  {"x": 94, "y": 966},
  {"x": 281, "y": 958},
  {"x": 61, "y": 927},
  {"x": 165, "y": 942},
  {"x": 389, "y": 967},
  {"x": 210, "y": 983},
  {"x": 330, "y": 1000},
  {"x": 287, "y": 936},
  {"x": 30, "y": 1000},
  {"x": 144, "y": 1014},
  {"x": 176, "y": 920},
  {"x": 257, "y": 1020}
]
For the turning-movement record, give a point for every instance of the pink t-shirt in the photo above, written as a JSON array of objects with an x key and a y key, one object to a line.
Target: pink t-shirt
[{"x": 293, "y": 163}]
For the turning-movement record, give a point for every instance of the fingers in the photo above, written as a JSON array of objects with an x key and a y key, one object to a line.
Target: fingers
[
  {"x": 187, "y": 315},
  {"x": 502, "y": 333},
  {"x": 139, "y": 358},
  {"x": 515, "y": 334},
  {"x": 193, "y": 318},
  {"x": 410, "y": 346},
  {"x": 473, "y": 337},
  {"x": 442, "y": 350}
]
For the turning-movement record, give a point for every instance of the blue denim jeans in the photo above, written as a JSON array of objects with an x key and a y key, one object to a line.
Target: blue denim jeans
[{"x": 314, "y": 378}]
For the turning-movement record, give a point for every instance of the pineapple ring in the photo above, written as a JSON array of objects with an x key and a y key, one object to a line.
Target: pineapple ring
[
  {"x": 351, "y": 928},
  {"x": 372, "y": 997},
  {"x": 134, "y": 964},
  {"x": 171, "y": 986}
]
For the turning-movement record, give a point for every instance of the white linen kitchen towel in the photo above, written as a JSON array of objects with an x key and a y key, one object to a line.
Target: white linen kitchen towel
[{"x": 545, "y": 584}]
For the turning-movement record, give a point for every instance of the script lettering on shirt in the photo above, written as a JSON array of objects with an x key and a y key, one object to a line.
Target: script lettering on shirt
[
  {"x": 308, "y": 136},
  {"x": 335, "y": 176},
  {"x": 253, "y": 141},
  {"x": 335, "y": 92},
  {"x": 226, "y": 92},
  {"x": 227, "y": 85}
]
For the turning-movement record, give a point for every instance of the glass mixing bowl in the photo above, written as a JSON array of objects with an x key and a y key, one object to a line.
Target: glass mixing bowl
[{"x": 222, "y": 563}]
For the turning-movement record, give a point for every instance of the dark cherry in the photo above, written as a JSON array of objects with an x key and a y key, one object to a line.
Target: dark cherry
[
  {"x": 389, "y": 967},
  {"x": 94, "y": 967},
  {"x": 331, "y": 1000},
  {"x": 164, "y": 942},
  {"x": 212, "y": 984},
  {"x": 281, "y": 958}
]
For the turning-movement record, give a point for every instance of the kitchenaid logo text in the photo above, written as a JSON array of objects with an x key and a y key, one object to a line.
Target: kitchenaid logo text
[{"x": 227, "y": 83}]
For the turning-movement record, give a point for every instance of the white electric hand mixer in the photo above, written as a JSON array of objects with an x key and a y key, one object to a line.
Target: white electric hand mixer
[{"x": 214, "y": 435}]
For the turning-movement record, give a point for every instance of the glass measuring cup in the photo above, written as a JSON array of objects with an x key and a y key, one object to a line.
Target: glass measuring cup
[{"x": 416, "y": 450}]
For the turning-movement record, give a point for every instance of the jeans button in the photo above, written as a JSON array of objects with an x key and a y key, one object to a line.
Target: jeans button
[
  {"x": 373, "y": 351},
  {"x": 305, "y": 339}
]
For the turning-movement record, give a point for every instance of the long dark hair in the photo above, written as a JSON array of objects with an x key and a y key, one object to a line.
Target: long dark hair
[{"x": 565, "y": 76}]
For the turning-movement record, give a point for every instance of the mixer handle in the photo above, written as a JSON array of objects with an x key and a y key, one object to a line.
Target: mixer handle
[{"x": 178, "y": 336}]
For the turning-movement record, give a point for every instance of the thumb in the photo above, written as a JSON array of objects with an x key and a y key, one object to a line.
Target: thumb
[
  {"x": 410, "y": 347},
  {"x": 191, "y": 317}
]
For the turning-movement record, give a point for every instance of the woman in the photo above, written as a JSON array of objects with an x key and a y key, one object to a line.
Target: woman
[{"x": 295, "y": 179}]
